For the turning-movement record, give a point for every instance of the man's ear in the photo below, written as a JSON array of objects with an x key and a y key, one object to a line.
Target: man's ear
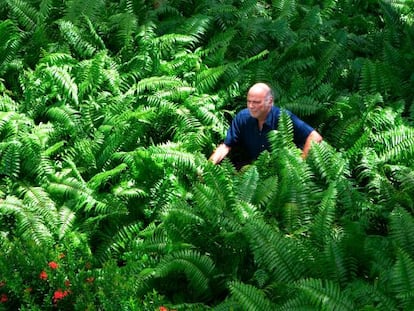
[{"x": 270, "y": 100}]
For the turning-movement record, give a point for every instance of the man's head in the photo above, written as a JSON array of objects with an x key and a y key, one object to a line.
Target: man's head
[{"x": 259, "y": 101}]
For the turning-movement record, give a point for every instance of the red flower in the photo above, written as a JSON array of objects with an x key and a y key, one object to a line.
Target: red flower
[
  {"x": 53, "y": 265},
  {"x": 43, "y": 275},
  {"x": 3, "y": 298},
  {"x": 162, "y": 308},
  {"x": 59, "y": 294},
  {"x": 67, "y": 283}
]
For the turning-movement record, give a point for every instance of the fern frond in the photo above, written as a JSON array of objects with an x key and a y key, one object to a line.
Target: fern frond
[
  {"x": 197, "y": 268},
  {"x": 66, "y": 221},
  {"x": 101, "y": 178},
  {"x": 247, "y": 183},
  {"x": 325, "y": 295},
  {"x": 269, "y": 248},
  {"x": 5, "y": 118},
  {"x": 284, "y": 9},
  {"x": 218, "y": 184},
  {"x": 97, "y": 40},
  {"x": 367, "y": 294},
  {"x": 171, "y": 153},
  {"x": 7, "y": 104},
  {"x": 10, "y": 158},
  {"x": 304, "y": 105},
  {"x": 324, "y": 220},
  {"x": 376, "y": 77},
  {"x": 30, "y": 225},
  {"x": 265, "y": 191},
  {"x": 156, "y": 84},
  {"x": 9, "y": 42},
  {"x": 129, "y": 190},
  {"x": 65, "y": 117},
  {"x": 328, "y": 163},
  {"x": 207, "y": 79},
  {"x": 27, "y": 15},
  {"x": 181, "y": 221},
  {"x": 63, "y": 79},
  {"x": 249, "y": 297},
  {"x": 76, "y": 9},
  {"x": 402, "y": 230},
  {"x": 402, "y": 278},
  {"x": 119, "y": 242},
  {"x": 397, "y": 144},
  {"x": 74, "y": 37}
]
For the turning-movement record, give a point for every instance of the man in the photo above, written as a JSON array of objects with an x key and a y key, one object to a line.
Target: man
[{"x": 250, "y": 127}]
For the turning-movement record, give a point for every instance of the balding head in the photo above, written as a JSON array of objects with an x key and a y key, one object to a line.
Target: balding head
[
  {"x": 262, "y": 89},
  {"x": 259, "y": 101}
]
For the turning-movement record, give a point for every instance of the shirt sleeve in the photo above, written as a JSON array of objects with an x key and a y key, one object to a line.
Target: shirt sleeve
[
  {"x": 301, "y": 130},
  {"x": 233, "y": 133}
]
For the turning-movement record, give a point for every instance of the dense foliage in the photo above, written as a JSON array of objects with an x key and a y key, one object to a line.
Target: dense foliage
[{"x": 110, "y": 109}]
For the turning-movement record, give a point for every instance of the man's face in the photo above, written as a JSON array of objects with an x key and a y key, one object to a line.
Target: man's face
[{"x": 259, "y": 103}]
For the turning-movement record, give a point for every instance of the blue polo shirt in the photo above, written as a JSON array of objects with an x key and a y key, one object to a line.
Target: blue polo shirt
[{"x": 244, "y": 131}]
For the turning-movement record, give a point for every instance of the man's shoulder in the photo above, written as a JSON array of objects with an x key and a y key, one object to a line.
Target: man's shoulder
[
  {"x": 243, "y": 115},
  {"x": 275, "y": 110}
]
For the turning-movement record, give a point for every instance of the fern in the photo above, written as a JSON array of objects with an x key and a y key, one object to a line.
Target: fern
[
  {"x": 402, "y": 278},
  {"x": 27, "y": 15},
  {"x": 402, "y": 230},
  {"x": 197, "y": 268},
  {"x": 63, "y": 79},
  {"x": 10, "y": 40},
  {"x": 171, "y": 153},
  {"x": 328, "y": 163},
  {"x": 375, "y": 77},
  {"x": 247, "y": 184},
  {"x": 75, "y": 9},
  {"x": 325, "y": 295},
  {"x": 269, "y": 248},
  {"x": 398, "y": 144},
  {"x": 65, "y": 222},
  {"x": 101, "y": 178},
  {"x": 324, "y": 220},
  {"x": 74, "y": 37},
  {"x": 30, "y": 225},
  {"x": 10, "y": 158},
  {"x": 249, "y": 297}
]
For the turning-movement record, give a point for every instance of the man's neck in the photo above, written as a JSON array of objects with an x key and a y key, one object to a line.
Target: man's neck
[{"x": 260, "y": 124}]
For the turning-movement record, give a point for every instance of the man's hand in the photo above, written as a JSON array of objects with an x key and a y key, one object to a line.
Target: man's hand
[
  {"x": 220, "y": 153},
  {"x": 314, "y": 136}
]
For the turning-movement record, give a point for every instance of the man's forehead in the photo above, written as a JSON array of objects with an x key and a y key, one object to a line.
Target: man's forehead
[{"x": 256, "y": 95}]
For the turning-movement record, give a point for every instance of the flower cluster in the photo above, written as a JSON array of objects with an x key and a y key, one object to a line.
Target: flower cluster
[{"x": 59, "y": 294}]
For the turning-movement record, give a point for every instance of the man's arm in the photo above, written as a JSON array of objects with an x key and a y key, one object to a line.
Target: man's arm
[
  {"x": 218, "y": 155},
  {"x": 314, "y": 136}
]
